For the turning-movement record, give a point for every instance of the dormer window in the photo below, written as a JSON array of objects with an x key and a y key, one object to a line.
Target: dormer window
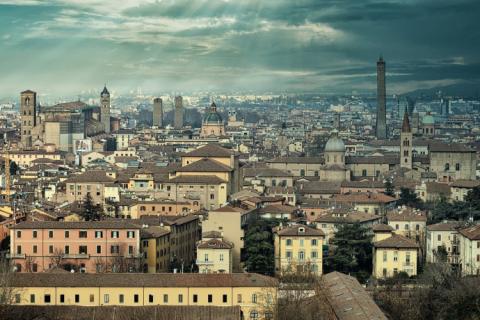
[{"x": 301, "y": 230}]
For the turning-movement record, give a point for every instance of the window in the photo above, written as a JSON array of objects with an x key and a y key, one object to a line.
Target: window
[
  {"x": 34, "y": 233},
  {"x": 289, "y": 255},
  {"x": 114, "y": 234},
  {"x": 384, "y": 256},
  {"x": 180, "y": 298},
  {"x": 212, "y": 196},
  {"x": 32, "y": 298},
  {"x": 301, "y": 255},
  {"x": 165, "y": 298},
  {"x": 195, "y": 298},
  {"x": 254, "y": 298},
  {"x": 77, "y": 298},
  {"x": 19, "y": 249},
  {"x": 17, "y": 298},
  {"x": 221, "y": 256},
  {"x": 210, "y": 298},
  {"x": 50, "y": 249},
  {"x": 150, "y": 298},
  {"x": 67, "y": 234},
  {"x": 407, "y": 227},
  {"x": 314, "y": 242},
  {"x": 50, "y": 233},
  {"x": 301, "y": 242},
  {"x": 115, "y": 249},
  {"x": 439, "y": 237},
  {"x": 48, "y": 299},
  {"x": 395, "y": 256},
  {"x": 364, "y": 172},
  {"x": 457, "y": 166},
  {"x": 239, "y": 298},
  {"x": 82, "y": 249},
  {"x": 106, "y": 298},
  {"x": 34, "y": 267},
  {"x": 314, "y": 255},
  {"x": 121, "y": 298},
  {"x": 67, "y": 250},
  {"x": 98, "y": 234},
  {"x": 447, "y": 166},
  {"x": 206, "y": 257},
  {"x": 302, "y": 172},
  {"x": 254, "y": 314},
  {"x": 407, "y": 259},
  {"x": 35, "y": 248},
  {"x": 82, "y": 234},
  {"x": 19, "y": 234},
  {"x": 130, "y": 234},
  {"x": 289, "y": 242},
  {"x": 99, "y": 249},
  {"x": 135, "y": 298}
]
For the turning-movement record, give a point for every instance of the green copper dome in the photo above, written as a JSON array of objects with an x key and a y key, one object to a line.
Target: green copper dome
[
  {"x": 212, "y": 115},
  {"x": 428, "y": 119}
]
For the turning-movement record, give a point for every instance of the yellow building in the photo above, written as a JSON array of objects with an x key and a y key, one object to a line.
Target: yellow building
[
  {"x": 156, "y": 249},
  {"x": 255, "y": 294},
  {"x": 298, "y": 248},
  {"x": 408, "y": 222},
  {"x": 470, "y": 250},
  {"x": 393, "y": 254},
  {"x": 214, "y": 254}
]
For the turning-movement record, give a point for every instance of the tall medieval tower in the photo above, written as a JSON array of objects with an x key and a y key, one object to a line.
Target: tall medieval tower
[
  {"x": 178, "y": 115},
  {"x": 158, "y": 112},
  {"x": 406, "y": 143},
  {"x": 381, "y": 128},
  {"x": 105, "y": 109},
  {"x": 28, "y": 114}
]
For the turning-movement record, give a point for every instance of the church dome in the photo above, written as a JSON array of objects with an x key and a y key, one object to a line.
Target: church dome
[
  {"x": 428, "y": 119},
  {"x": 335, "y": 144},
  {"x": 212, "y": 116}
]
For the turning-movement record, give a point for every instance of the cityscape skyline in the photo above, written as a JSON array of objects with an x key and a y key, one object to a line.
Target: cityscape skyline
[{"x": 309, "y": 46}]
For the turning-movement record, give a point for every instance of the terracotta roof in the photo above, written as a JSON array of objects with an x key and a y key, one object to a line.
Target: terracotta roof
[
  {"x": 347, "y": 218},
  {"x": 211, "y": 234},
  {"x": 97, "y": 176},
  {"x": 363, "y": 184},
  {"x": 228, "y": 208},
  {"x": 472, "y": 233},
  {"x": 381, "y": 227},
  {"x": 360, "y": 197},
  {"x": 372, "y": 160},
  {"x": 294, "y": 231},
  {"x": 312, "y": 160},
  {"x": 205, "y": 165},
  {"x": 440, "y": 188},
  {"x": 125, "y": 280},
  {"x": 470, "y": 184},
  {"x": 265, "y": 172},
  {"x": 319, "y": 187},
  {"x": 438, "y": 146},
  {"x": 349, "y": 299},
  {"x": 215, "y": 244},
  {"x": 277, "y": 208},
  {"x": 153, "y": 232},
  {"x": 406, "y": 214},
  {"x": 196, "y": 179},
  {"x": 445, "y": 226},
  {"x": 210, "y": 150},
  {"x": 104, "y": 224},
  {"x": 396, "y": 241}
]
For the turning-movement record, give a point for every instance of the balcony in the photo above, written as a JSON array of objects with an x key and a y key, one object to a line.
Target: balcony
[{"x": 16, "y": 255}]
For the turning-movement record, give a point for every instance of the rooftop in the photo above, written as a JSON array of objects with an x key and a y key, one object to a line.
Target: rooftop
[{"x": 396, "y": 241}]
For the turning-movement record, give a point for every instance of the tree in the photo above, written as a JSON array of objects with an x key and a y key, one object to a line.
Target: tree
[
  {"x": 352, "y": 251},
  {"x": 13, "y": 168},
  {"x": 56, "y": 259},
  {"x": 259, "y": 244},
  {"x": 91, "y": 212},
  {"x": 7, "y": 291},
  {"x": 389, "y": 188},
  {"x": 409, "y": 198}
]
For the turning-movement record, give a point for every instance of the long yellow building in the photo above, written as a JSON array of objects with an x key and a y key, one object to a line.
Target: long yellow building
[{"x": 255, "y": 294}]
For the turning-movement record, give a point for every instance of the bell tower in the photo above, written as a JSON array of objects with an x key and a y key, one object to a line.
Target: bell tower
[
  {"x": 406, "y": 143},
  {"x": 28, "y": 115},
  {"x": 105, "y": 109}
]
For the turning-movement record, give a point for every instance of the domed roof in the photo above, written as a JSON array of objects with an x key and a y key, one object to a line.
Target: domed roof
[
  {"x": 335, "y": 144},
  {"x": 428, "y": 119},
  {"x": 212, "y": 115}
]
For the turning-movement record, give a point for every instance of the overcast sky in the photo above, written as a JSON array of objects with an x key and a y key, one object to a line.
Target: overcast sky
[{"x": 63, "y": 47}]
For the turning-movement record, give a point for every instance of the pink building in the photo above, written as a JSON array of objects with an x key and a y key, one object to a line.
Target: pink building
[{"x": 85, "y": 246}]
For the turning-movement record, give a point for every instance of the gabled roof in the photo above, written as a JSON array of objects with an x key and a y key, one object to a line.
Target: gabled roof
[
  {"x": 196, "y": 179},
  {"x": 472, "y": 233},
  {"x": 90, "y": 176},
  {"x": 381, "y": 227},
  {"x": 210, "y": 150},
  {"x": 396, "y": 241},
  {"x": 215, "y": 244},
  {"x": 445, "y": 226},
  {"x": 296, "y": 231},
  {"x": 205, "y": 165},
  {"x": 348, "y": 299}
]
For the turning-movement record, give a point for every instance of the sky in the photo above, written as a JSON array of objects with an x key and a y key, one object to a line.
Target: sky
[{"x": 64, "y": 47}]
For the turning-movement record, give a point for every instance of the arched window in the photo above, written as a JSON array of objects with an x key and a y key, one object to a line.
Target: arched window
[
  {"x": 447, "y": 166},
  {"x": 254, "y": 314},
  {"x": 27, "y": 101}
]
